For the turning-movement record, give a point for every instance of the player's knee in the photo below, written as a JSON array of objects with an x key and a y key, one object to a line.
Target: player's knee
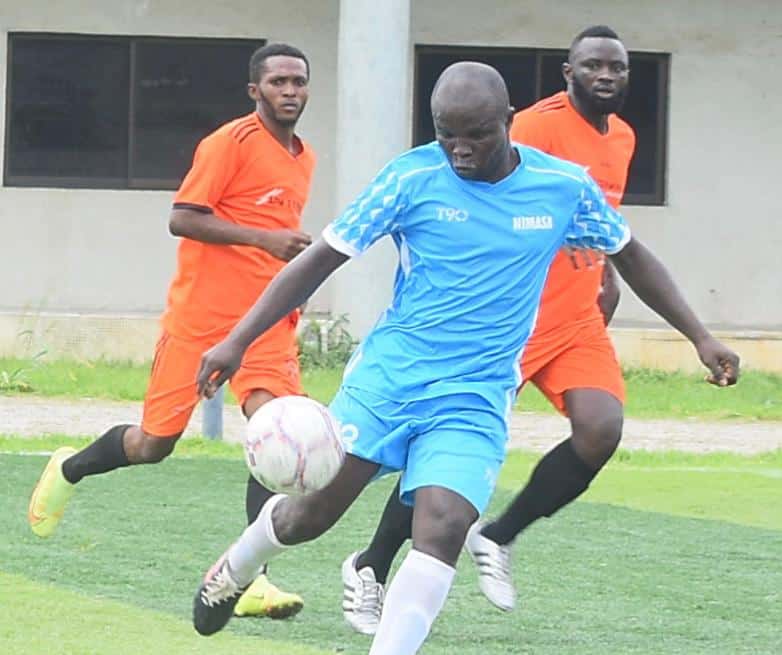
[
  {"x": 600, "y": 434},
  {"x": 305, "y": 518},
  {"x": 152, "y": 450},
  {"x": 443, "y": 536}
]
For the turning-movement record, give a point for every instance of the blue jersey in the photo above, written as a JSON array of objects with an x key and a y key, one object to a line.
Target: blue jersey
[{"x": 473, "y": 259}]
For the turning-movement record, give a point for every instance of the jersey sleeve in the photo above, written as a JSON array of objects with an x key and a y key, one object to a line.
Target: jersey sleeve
[
  {"x": 215, "y": 163},
  {"x": 372, "y": 215},
  {"x": 529, "y": 130},
  {"x": 595, "y": 224}
]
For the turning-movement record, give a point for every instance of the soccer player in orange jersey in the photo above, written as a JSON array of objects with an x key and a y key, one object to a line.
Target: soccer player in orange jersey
[
  {"x": 570, "y": 357},
  {"x": 238, "y": 212}
]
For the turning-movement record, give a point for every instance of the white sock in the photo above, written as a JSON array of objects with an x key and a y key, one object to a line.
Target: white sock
[
  {"x": 257, "y": 545},
  {"x": 415, "y": 597}
]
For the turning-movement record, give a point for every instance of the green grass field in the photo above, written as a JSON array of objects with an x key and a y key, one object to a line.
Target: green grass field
[
  {"x": 667, "y": 553},
  {"x": 650, "y": 394}
]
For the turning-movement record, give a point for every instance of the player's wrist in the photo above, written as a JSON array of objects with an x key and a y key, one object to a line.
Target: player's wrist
[{"x": 259, "y": 238}]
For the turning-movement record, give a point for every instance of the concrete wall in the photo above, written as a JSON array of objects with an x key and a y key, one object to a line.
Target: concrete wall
[{"x": 108, "y": 252}]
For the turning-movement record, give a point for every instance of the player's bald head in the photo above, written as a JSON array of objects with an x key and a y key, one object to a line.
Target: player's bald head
[{"x": 473, "y": 89}]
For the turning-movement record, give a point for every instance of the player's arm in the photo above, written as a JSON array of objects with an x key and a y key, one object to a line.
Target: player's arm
[
  {"x": 369, "y": 217},
  {"x": 200, "y": 224},
  {"x": 596, "y": 225},
  {"x": 651, "y": 281},
  {"x": 217, "y": 161},
  {"x": 291, "y": 288},
  {"x": 608, "y": 298}
]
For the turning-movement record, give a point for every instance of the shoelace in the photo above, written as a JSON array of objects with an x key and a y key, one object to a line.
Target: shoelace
[
  {"x": 221, "y": 587},
  {"x": 371, "y": 598}
]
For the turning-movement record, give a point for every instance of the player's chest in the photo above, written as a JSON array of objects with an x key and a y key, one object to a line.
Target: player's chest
[
  {"x": 511, "y": 226},
  {"x": 267, "y": 186}
]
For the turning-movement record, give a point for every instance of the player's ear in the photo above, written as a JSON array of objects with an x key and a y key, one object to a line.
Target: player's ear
[
  {"x": 253, "y": 91},
  {"x": 567, "y": 71},
  {"x": 511, "y": 112}
]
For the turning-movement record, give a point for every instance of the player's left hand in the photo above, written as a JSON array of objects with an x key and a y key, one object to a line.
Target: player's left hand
[
  {"x": 218, "y": 364},
  {"x": 582, "y": 257},
  {"x": 721, "y": 361}
]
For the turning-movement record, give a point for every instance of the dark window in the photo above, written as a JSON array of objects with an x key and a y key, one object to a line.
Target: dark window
[
  {"x": 116, "y": 112},
  {"x": 532, "y": 74}
]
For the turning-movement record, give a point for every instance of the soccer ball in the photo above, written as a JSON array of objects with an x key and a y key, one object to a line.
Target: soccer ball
[{"x": 293, "y": 445}]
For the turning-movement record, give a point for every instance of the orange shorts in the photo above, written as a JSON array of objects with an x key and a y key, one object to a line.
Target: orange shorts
[
  {"x": 578, "y": 357},
  {"x": 270, "y": 363}
]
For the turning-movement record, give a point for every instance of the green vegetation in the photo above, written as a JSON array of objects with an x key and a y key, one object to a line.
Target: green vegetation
[{"x": 651, "y": 394}]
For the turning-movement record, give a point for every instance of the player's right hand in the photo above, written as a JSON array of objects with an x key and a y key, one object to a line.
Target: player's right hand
[
  {"x": 218, "y": 364},
  {"x": 721, "y": 361},
  {"x": 284, "y": 244}
]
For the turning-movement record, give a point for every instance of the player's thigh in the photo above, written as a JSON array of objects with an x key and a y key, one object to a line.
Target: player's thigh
[
  {"x": 171, "y": 393},
  {"x": 373, "y": 428},
  {"x": 270, "y": 364},
  {"x": 303, "y": 518},
  {"x": 588, "y": 362},
  {"x": 458, "y": 448}
]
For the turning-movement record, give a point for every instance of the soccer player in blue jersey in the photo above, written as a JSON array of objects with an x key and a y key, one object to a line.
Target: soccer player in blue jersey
[{"x": 477, "y": 221}]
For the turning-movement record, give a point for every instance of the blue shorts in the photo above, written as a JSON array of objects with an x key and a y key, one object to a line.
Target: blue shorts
[{"x": 457, "y": 442}]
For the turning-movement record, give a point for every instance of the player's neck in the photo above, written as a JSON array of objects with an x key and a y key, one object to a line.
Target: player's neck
[
  {"x": 285, "y": 134},
  {"x": 596, "y": 119}
]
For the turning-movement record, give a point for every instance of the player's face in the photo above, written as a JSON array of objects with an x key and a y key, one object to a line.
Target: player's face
[
  {"x": 598, "y": 73},
  {"x": 477, "y": 148},
  {"x": 281, "y": 93}
]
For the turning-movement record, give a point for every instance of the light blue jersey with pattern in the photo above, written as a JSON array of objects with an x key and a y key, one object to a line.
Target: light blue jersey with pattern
[{"x": 473, "y": 259}]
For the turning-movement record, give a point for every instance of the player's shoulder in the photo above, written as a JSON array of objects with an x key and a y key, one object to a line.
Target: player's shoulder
[
  {"x": 544, "y": 165},
  {"x": 545, "y": 110},
  {"x": 419, "y": 162},
  {"x": 236, "y": 131}
]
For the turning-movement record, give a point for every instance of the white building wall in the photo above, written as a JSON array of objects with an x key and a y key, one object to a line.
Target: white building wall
[
  {"x": 79, "y": 250},
  {"x": 108, "y": 251}
]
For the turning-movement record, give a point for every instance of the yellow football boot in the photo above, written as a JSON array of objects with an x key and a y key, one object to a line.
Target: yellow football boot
[
  {"x": 262, "y": 598},
  {"x": 51, "y": 495}
]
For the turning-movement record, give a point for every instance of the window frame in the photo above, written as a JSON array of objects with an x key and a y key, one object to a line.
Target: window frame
[
  {"x": 658, "y": 197},
  {"x": 129, "y": 182}
]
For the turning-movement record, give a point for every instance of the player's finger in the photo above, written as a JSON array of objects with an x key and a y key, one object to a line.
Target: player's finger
[
  {"x": 202, "y": 378},
  {"x": 573, "y": 258}
]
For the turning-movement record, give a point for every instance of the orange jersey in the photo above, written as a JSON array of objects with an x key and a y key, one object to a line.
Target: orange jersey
[
  {"x": 554, "y": 126},
  {"x": 243, "y": 175}
]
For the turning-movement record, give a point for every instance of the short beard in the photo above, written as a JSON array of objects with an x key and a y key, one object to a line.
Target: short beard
[
  {"x": 282, "y": 122},
  {"x": 597, "y": 104}
]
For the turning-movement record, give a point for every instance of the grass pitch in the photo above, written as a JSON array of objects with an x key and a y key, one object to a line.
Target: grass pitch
[{"x": 666, "y": 554}]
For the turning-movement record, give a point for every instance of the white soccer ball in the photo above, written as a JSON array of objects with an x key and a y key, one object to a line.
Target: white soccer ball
[{"x": 293, "y": 445}]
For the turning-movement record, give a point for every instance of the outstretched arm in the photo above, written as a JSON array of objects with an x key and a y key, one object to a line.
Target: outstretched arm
[
  {"x": 650, "y": 280},
  {"x": 288, "y": 290}
]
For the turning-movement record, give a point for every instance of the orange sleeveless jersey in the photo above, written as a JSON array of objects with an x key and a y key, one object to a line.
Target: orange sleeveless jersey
[
  {"x": 554, "y": 126},
  {"x": 244, "y": 176}
]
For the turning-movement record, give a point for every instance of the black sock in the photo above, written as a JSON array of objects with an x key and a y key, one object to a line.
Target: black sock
[
  {"x": 255, "y": 498},
  {"x": 559, "y": 478},
  {"x": 104, "y": 454},
  {"x": 395, "y": 527}
]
